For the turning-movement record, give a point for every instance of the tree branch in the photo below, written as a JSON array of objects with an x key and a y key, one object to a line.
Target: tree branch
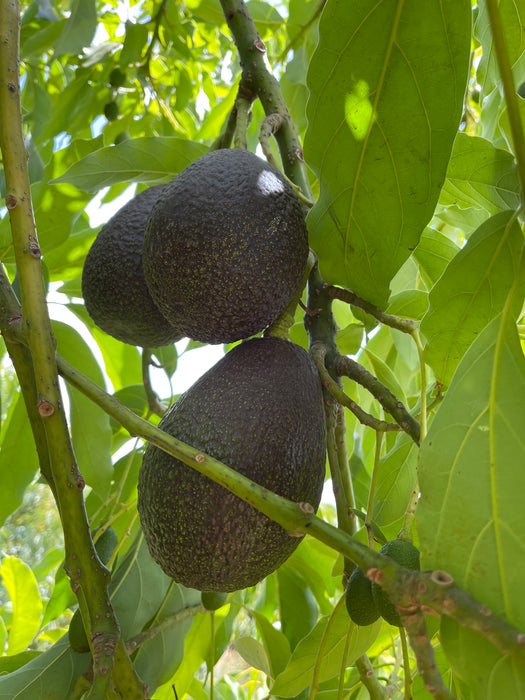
[
  {"x": 406, "y": 325},
  {"x": 39, "y": 376},
  {"x": 258, "y": 81}
]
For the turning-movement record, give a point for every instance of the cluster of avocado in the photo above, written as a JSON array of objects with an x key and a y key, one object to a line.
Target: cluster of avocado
[
  {"x": 217, "y": 255},
  {"x": 367, "y": 601}
]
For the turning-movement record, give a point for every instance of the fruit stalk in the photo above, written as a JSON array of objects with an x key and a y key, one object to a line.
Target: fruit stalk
[{"x": 258, "y": 81}]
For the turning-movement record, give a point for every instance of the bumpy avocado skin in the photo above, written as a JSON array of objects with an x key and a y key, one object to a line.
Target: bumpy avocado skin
[
  {"x": 225, "y": 247},
  {"x": 404, "y": 553},
  {"x": 259, "y": 410},
  {"x": 113, "y": 286}
]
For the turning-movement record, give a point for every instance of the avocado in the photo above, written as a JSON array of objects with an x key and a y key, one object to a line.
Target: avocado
[
  {"x": 104, "y": 546},
  {"x": 404, "y": 553},
  {"x": 113, "y": 286},
  {"x": 360, "y": 603},
  {"x": 225, "y": 247},
  {"x": 212, "y": 600},
  {"x": 260, "y": 411}
]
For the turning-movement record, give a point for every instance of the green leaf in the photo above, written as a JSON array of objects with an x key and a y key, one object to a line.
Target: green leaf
[
  {"x": 22, "y": 588},
  {"x": 148, "y": 160},
  {"x": 158, "y": 659},
  {"x": 471, "y": 292},
  {"x": 481, "y": 176},
  {"x": 276, "y": 646},
  {"x": 90, "y": 427},
  {"x": 470, "y": 518},
  {"x": 512, "y": 16},
  {"x": 433, "y": 253},
  {"x": 298, "y": 673},
  {"x": 386, "y": 97},
  {"x": 349, "y": 338},
  {"x": 253, "y": 653},
  {"x": 18, "y": 457},
  {"x": 396, "y": 476},
  {"x": 79, "y": 28},
  {"x": 55, "y": 671},
  {"x": 298, "y": 608}
]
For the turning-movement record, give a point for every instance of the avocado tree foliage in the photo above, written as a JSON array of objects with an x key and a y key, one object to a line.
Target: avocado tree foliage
[{"x": 400, "y": 124}]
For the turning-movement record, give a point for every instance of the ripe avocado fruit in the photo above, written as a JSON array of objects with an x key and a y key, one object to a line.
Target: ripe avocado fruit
[
  {"x": 404, "y": 553},
  {"x": 113, "y": 286},
  {"x": 105, "y": 546},
  {"x": 360, "y": 603},
  {"x": 260, "y": 411},
  {"x": 226, "y": 246}
]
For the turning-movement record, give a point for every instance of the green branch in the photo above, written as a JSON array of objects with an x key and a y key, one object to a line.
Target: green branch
[
  {"x": 509, "y": 89},
  {"x": 257, "y": 81},
  {"x": 432, "y": 591},
  {"x": 39, "y": 377}
]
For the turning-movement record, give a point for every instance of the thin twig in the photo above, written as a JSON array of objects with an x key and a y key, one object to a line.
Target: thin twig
[
  {"x": 406, "y": 325},
  {"x": 345, "y": 366}
]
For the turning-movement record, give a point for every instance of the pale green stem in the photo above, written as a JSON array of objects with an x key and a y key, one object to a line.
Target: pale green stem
[
  {"x": 410, "y": 513},
  {"x": 509, "y": 89},
  {"x": 322, "y": 646},
  {"x": 372, "y": 491},
  {"x": 341, "y": 685},
  {"x": 406, "y": 664}
]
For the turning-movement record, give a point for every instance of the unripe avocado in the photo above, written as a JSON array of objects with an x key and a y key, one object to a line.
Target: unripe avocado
[
  {"x": 105, "y": 545},
  {"x": 225, "y": 247},
  {"x": 113, "y": 286},
  {"x": 260, "y": 411},
  {"x": 404, "y": 553},
  {"x": 213, "y": 600},
  {"x": 359, "y": 600},
  {"x": 111, "y": 111}
]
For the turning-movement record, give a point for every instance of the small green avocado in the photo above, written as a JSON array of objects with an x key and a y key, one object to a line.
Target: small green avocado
[
  {"x": 225, "y": 247},
  {"x": 260, "y": 411},
  {"x": 404, "y": 553},
  {"x": 113, "y": 286},
  {"x": 360, "y": 603},
  {"x": 212, "y": 600}
]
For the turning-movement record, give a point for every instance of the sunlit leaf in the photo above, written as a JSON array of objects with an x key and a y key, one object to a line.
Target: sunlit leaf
[
  {"x": 253, "y": 653},
  {"x": 21, "y": 585},
  {"x": 394, "y": 64},
  {"x": 79, "y": 29},
  {"x": 148, "y": 160},
  {"x": 471, "y": 292},
  {"x": 481, "y": 176},
  {"x": 18, "y": 457},
  {"x": 298, "y": 673},
  {"x": 471, "y": 521}
]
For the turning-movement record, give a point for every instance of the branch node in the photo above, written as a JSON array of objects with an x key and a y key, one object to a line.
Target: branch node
[
  {"x": 442, "y": 578},
  {"x": 45, "y": 408},
  {"x": 260, "y": 45},
  {"x": 11, "y": 201}
]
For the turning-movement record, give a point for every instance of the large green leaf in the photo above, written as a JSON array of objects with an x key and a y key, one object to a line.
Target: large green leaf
[
  {"x": 386, "y": 83},
  {"x": 470, "y": 518},
  {"x": 481, "y": 176},
  {"x": 512, "y": 14},
  {"x": 148, "y": 160},
  {"x": 158, "y": 659},
  {"x": 298, "y": 673},
  {"x": 471, "y": 292},
  {"x": 22, "y": 588},
  {"x": 18, "y": 457},
  {"x": 50, "y": 676},
  {"x": 79, "y": 28}
]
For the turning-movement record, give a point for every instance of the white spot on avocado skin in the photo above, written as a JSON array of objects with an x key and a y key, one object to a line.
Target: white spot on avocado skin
[{"x": 268, "y": 183}]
